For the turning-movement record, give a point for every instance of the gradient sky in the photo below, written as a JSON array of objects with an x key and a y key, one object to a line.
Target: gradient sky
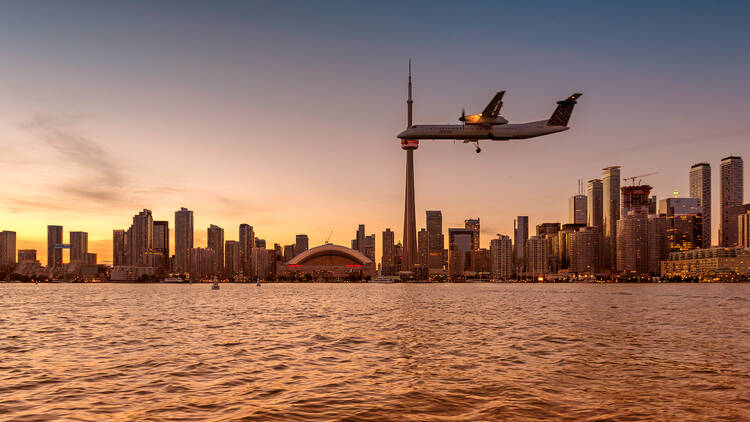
[{"x": 283, "y": 115}]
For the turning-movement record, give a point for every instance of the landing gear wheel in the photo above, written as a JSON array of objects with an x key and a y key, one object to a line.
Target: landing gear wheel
[{"x": 479, "y": 150}]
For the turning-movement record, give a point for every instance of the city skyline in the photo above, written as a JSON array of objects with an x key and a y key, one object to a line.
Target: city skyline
[{"x": 88, "y": 161}]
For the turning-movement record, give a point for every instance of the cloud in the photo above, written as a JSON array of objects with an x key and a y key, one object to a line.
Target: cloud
[{"x": 101, "y": 177}]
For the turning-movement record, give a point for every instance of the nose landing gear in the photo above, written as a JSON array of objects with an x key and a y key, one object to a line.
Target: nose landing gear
[{"x": 476, "y": 143}]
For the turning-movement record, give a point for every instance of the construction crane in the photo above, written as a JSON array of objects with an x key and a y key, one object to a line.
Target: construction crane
[
  {"x": 634, "y": 178},
  {"x": 327, "y": 242}
]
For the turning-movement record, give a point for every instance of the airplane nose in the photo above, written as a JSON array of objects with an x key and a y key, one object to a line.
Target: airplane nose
[{"x": 402, "y": 135}]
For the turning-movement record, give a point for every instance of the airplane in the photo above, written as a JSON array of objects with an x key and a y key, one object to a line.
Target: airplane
[{"x": 474, "y": 131}]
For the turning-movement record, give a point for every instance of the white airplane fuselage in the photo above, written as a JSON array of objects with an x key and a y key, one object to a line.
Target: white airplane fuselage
[{"x": 481, "y": 132}]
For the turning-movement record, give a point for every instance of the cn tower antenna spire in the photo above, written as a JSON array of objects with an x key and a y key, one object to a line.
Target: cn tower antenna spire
[{"x": 409, "y": 101}]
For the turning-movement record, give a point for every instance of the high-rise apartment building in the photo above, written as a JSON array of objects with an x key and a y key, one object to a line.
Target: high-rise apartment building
[
  {"x": 54, "y": 253},
  {"x": 577, "y": 209},
  {"x": 473, "y": 224},
  {"x": 700, "y": 188},
  {"x": 215, "y": 240},
  {"x": 731, "y": 199},
  {"x": 247, "y": 242},
  {"x": 520, "y": 234},
  {"x": 79, "y": 247},
  {"x": 388, "y": 261},
  {"x": 595, "y": 204},
  {"x": 119, "y": 248},
  {"x": 537, "y": 255},
  {"x": 141, "y": 240},
  {"x": 183, "y": 239},
  {"x": 202, "y": 263},
  {"x": 423, "y": 248},
  {"x": 301, "y": 243},
  {"x": 743, "y": 230},
  {"x": 583, "y": 250},
  {"x": 501, "y": 257},
  {"x": 632, "y": 230},
  {"x": 368, "y": 248},
  {"x": 358, "y": 243},
  {"x": 610, "y": 214},
  {"x": 7, "y": 247},
  {"x": 232, "y": 257},
  {"x": 658, "y": 242},
  {"x": 436, "y": 238},
  {"x": 161, "y": 244}
]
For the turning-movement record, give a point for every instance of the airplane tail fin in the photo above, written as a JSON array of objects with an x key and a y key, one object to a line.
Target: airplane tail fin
[{"x": 562, "y": 113}]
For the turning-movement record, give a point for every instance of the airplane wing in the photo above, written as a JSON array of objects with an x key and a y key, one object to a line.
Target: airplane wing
[{"x": 493, "y": 108}]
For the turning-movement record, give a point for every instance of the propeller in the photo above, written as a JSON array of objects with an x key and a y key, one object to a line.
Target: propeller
[{"x": 463, "y": 115}]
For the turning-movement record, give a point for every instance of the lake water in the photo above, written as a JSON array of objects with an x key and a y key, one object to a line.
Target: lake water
[{"x": 452, "y": 352}]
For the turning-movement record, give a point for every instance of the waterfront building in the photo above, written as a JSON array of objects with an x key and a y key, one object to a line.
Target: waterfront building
[
  {"x": 479, "y": 261},
  {"x": 232, "y": 258},
  {"x": 141, "y": 240},
  {"x": 26, "y": 255},
  {"x": 743, "y": 229},
  {"x": 288, "y": 252},
  {"x": 460, "y": 242},
  {"x": 119, "y": 248},
  {"x": 202, "y": 263},
  {"x": 473, "y": 224},
  {"x": 731, "y": 199},
  {"x": 501, "y": 257},
  {"x": 388, "y": 261},
  {"x": 436, "y": 239},
  {"x": 520, "y": 234},
  {"x": 183, "y": 239},
  {"x": 537, "y": 255},
  {"x": 161, "y": 244},
  {"x": 684, "y": 223},
  {"x": 610, "y": 214},
  {"x": 247, "y": 242},
  {"x": 91, "y": 259},
  {"x": 54, "y": 253},
  {"x": 632, "y": 230},
  {"x": 215, "y": 241},
  {"x": 583, "y": 250},
  {"x": 577, "y": 209},
  {"x": 423, "y": 248},
  {"x": 332, "y": 262},
  {"x": 8, "y": 247},
  {"x": 658, "y": 242},
  {"x": 79, "y": 246},
  {"x": 707, "y": 263},
  {"x": 700, "y": 188}
]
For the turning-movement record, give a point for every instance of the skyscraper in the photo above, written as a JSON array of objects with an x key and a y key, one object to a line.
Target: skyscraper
[
  {"x": 583, "y": 249},
  {"x": 54, "y": 254},
  {"x": 79, "y": 247},
  {"x": 731, "y": 199},
  {"x": 369, "y": 247},
  {"x": 183, "y": 239},
  {"x": 359, "y": 239},
  {"x": 577, "y": 205},
  {"x": 473, "y": 223},
  {"x": 232, "y": 257},
  {"x": 410, "y": 218},
  {"x": 141, "y": 239},
  {"x": 632, "y": 230},
  {"x": 119, "y": 248},
  {"x": 658, "y": 243},
  {"x": 247, "y": 242},
  {"x": 423, "y": 248},
  {"x": 520, "y": 234},
  {"x": 610, "y": 214},
  {"x": 161, "y": 244},
  {"x": 501, "y": 257},
  {"x": 436, "y": 238},
  {"x": 215, "y": 239},
  {"x": 388, "y": 262},
  {"x": 537, "y": 251},
  {"x": 683, "y": 223},
  {"x": 7, "y": 247},
  {"x": 700, "y": 188},
  {"x": 594, "y": 204},
  {"x": 301, "y": 243}
]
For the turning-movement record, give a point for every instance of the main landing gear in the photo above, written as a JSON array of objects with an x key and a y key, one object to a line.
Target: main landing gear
[{"x": 476, "y": 144}]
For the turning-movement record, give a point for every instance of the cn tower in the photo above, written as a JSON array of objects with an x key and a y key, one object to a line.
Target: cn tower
[{"x": 410, "y": 220}]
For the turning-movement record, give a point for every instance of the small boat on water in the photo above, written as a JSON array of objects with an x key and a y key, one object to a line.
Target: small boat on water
[
  {"x": 257, "y": 284},
  {"x": 382, "y": 279},
  {"x": 215, "y": 285}
]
